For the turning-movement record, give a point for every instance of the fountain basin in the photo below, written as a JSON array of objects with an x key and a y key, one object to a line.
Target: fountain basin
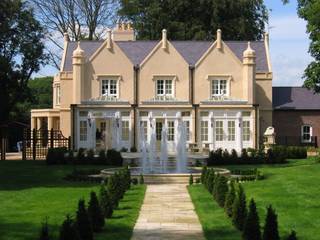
[{"x": 169, "y": 177}]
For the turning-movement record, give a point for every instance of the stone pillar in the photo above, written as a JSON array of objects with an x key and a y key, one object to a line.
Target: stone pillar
[
  {"x": 249, "y": 74},
  {"x": 38, "y": 123},
  {"x": 239, "y": 144},
  {"x": 33, "y": 123},
  {"x": 78, "y": 58},
  {"x": 50, "y": 123}
]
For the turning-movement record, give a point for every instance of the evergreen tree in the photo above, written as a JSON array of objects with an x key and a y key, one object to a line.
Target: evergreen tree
[
  {"x": 83, "y": 223},
  {"x": 251, "y": 229},
  {"x": 270, "y": 231},
  {"x": 215, "y": 185},
  {"x": 221, "y": 190},
  {"x": 231, "y": 195},
  {"x": 105, "y": 202},
  {"x": 239, "y": 209},
  {"x": 128, "y": 178},
  {"x": 210, "y": 180},
  {"x": 141, "y": 179},
  {"x": 113, "y": 191},
  {"x": 95, "y": 213},
  {"x": 44, "y": 233},
  {"x": 203, "y": 174},
  {"x": 292, "y": 236},
  {"x": 191, "y": 179},
  {"x": 67, "y": 230}
]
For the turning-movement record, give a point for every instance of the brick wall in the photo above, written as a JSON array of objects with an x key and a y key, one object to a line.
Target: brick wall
[{"x": 289, "y": 122}]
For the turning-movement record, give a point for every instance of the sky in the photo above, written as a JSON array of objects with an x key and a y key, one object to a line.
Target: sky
[{"x": 288, "y": 45}]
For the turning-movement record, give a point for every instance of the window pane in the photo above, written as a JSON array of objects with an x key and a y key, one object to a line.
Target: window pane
[
  {"x": 219, "y": 130},
  {"x": 125, "y": 130},
  {"x": 187, "y": 124},
  {"x": 170, "y": 130},
  {"x": 168, "y": 87},
  {"x": 104, "y": 87},
  {"x": 160, "y": 87},
  {"x": 219, "y": 87},
  {"x": 231, "y": 131},
  {"x": 83, "y": 130},
  {"x": 113, "y": 88},
  {"x": 204, "y": 130},
  {"x": 246, "y": 131},
  {"x": 306, "y": 133}
]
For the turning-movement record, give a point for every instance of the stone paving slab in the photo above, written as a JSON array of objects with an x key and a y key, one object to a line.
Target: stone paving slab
[{"x": 167, "y": 213}]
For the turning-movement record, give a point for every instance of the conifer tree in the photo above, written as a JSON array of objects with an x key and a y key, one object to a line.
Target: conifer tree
[
  {"x": 95, "y": 213},
  {"x": 203, "y": 174},
  {"x": 221, "y": 190},
  {"x": 141, "y": 179},
  {"x": 270, "y": 231},
  {"x": 113, "y": 191},
  {"x": 292, "y": 236},
  {"x": 210, "y": 180},
  {"x": 83, "y": 223},
  {"x": 251, "y": 229},
  {"x": 191, "y": 179},
  {"x": 105, "y": 202},
  {"x": 239, "y": 209},
  {"x": 231, "y": 195},
  {"x": 68, "y": 231},
  {"x": 215, "y": 185},
  {"x": 128, "y": 177},
  {"x": 44, "y": 233}
]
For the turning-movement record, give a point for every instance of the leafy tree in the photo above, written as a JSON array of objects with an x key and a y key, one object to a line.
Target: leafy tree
[
  {"x": 292, "y": 236},
  {"x": 197, "y": 19},
  {"x": 221, "y": 190},
  {"x": 105, "y": 202},
  {"x": 83, "y": 222},
  {"x": 239, "y": 209},
  {"x": 231, "y": 195},
  {"x": 251, "y": 229},
  {"x": 95, "y": 213},
  {"x": 68, "y": 230},
  {"x": 21, "y": 53},
  {"x": 44, "y": 233},
  {"x": 271, "y": 225}
]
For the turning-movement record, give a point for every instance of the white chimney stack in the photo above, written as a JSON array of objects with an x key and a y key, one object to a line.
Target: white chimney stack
[
  {"x": 219, "y": 41},
  {"x": 164, "y": 39}
]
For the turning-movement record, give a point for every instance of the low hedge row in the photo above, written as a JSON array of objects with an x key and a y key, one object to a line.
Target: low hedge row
[{"x": 63, "y": 156}]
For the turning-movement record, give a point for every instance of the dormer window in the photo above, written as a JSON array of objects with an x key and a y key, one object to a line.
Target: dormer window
[
  {"x": 109, "y": 87},
  {"x": 219, "y": 88},
  {"x": 164, "y": 87}
]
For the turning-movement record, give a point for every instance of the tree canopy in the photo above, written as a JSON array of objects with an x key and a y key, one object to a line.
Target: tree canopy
[
  {"x": 197, "y": 19},
  {"x": 21, "y": 53}
]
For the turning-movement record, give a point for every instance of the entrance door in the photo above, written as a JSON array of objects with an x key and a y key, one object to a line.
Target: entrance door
[
  {"x": 159, "y": 125},
  {"x": 107, "y": 134}
]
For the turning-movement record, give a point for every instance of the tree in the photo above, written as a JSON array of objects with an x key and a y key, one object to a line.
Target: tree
[
  {"x": 81, "y": 19},
  {"x": 221, "y": 190},
  {"x": 113, "y": 190},
  {"x": 44, "y": 233},
  {"x": 83, "y": 222},
  {"x": 292, "y": 236},
  {"x": 197, "y": 19},
  {"x": 239, "y": 209},
  {"x": 21, "y": 53},
  {"x": 270, "y": 231},
  {"x": 211, "y": 180},
  {"x": 95, "y": 213},
  {"x": 68, "y": 230},
  {"x": 203, "y": 174},
  {"x": 251, "y": 229},
  {"x": 105, "y": 202},
  {"x": 231, "y": 195}
]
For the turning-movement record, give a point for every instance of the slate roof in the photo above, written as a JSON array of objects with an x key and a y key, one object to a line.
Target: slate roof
[
  {"x": 191, "y": 51},
  {"x": 295, "y": 98}
]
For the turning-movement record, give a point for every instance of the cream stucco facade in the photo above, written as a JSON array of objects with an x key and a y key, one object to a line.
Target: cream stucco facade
[{"x": 221, "y": 90}]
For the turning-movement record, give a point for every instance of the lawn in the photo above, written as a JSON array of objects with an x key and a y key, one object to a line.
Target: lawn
[
  {"x": 292, "y": 189},
  {"x": 30, "y": 191}
]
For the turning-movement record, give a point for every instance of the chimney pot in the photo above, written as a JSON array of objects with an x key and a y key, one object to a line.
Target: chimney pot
[
  {"x": 219, "y": 39},
  {"x": 164, "y": 38}
]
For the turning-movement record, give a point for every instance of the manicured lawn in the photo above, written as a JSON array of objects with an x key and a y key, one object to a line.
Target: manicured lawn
[
  {"x": 292, "y": 189},
  {"x": 31, "y": 191}
]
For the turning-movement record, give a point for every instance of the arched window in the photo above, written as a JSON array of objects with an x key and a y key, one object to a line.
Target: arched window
[{"x": 306, "y": 133}]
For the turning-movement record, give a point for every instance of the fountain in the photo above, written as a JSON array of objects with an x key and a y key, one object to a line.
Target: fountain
[
  {"x": 152, "y": 151},
  {"x": 143, "y": 149},
  {"x": 116, "y": 133},
  {"x": 164, "y": 149},
  {"x": 181, "y": 146}
]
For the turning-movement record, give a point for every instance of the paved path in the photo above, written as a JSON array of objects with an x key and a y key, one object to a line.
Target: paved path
[{"x": 167, "y": 213}]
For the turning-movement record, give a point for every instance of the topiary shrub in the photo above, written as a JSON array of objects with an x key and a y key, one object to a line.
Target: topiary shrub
[
  {"x": 102, "y": 159},
  {"x": 244, "y": 156},
  {"x": 270, "y": 231},
  {"x": 133, "y": 149},
  {"x": 56, "y": 156},
  {"x": 191, "y": 179},
  {"x": 230, "y": 198},
  {"x": 226, "y": 156},
  {"x": 239, "y": 209},
  {"x": 105, "y": 202},
  {"x": 81, "y": 158},
  {"x": 44, "y": 232},
  {"x": 68, "y": 230},
  {"x": 210, "y": 180},
  {"x": 90, "y": 159},
  {"x": 83, "y": 223},
  {"x": 95, "y": 213},
  {"x": 112, "y": 189},
  {"x": 292, "y": 236},
  {"x": 221, "y": 190},
  {"x": 114, "y": 157},
  {"x": 141, "y": 179},
  {"x": 234, "y": 156},
  {"x": 251, "y": 229},
  {"x": 134, "y": 181},
  {"x": 203, "y": 174}
]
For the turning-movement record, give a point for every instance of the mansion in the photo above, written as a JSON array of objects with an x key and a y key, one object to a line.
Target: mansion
[{"x": 221, "y": 90}]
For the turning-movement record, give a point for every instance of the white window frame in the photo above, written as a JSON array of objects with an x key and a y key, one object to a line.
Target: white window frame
[
  {"x": 213, "y": 78},
  {"x": 58, "y": 94},
  {"x": 204, "y": 130},
  {"x": 171, "y": 130},
  {"x": 83, "y": 136},
  {"x": 216, "y": 128},
  {"x": 165, "y": 78},
  {"x": 246, "y": 134},
  {"x": 303, "y": 133},
  {"x": 125, "y": 130},
  {"x": 109, "y": 80},
  {"x": 231, "y": 130}
]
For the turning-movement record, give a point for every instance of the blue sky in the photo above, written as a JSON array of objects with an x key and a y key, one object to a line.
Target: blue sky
[{"x": 288, "y": 45}]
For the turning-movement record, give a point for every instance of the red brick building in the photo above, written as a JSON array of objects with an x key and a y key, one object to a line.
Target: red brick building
[{"x": 296, "y": 116}]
